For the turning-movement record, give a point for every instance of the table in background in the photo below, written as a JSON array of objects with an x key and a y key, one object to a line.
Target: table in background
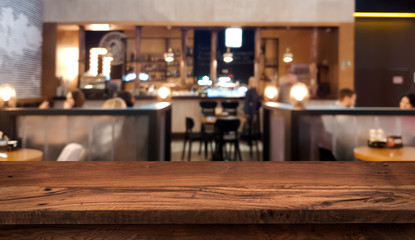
[
  {"x": 213, "y": 119},
  {"x": 23, "y": 154},
  {"x": 385, "y": 154}
]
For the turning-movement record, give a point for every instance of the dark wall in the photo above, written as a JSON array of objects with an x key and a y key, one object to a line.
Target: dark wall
[
  {"x": 385, "y": 6},
  {"x": 242, "y": 66},
  {"x": 202, "y": 53},
  {"x": 384, "y": 48}
]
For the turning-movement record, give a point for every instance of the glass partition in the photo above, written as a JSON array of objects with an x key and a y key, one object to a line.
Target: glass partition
[
  {"x": 292, "y": 134},
  {"x": 137, "y": 134}
]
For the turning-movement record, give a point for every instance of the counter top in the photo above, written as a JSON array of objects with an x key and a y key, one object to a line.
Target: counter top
[
  {"x": 206, "y": 192},
  {"x": 155, "y": 98}
]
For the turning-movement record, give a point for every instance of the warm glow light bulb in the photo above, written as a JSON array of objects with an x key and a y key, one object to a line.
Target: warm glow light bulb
[
  {"x": 164, "y": 92},
  {"x": 7, "y": 92},
  {"x": 271, "y": 92},
  {"x": 299, "y": 92}
]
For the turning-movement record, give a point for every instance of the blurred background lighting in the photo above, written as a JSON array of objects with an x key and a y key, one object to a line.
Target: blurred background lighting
[
  {"x": 99, "y": 27},
  {"x": 271, "y": 93},
  {"x": 233, "y": 37}
]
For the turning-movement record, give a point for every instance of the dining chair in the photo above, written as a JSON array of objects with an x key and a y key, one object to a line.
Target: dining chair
[
  {"x": 227, "y": 132},
  {"x": 72, "y": 152},
  {"x": 251, "y": 134},
  {"x": 191, "y": 136},
  {"x": 207, "y": 130}
]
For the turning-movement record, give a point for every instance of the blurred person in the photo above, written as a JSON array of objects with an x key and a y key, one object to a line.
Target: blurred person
[
  {"x": 252, "y": 103},
  {"x": 407, "y": 101},
  {"x": 346, "y": 99},
  {"x": 128, "y": 98},
  {"x": 114, "y": 103},
  {"x": 74, "y": 98},
  {"x": 46, "y": 104},
  {"x": 285, "y": 88}
]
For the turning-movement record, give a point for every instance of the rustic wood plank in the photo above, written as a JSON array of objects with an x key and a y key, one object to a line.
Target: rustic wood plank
[
  {"x": 126, "y": 174},
  {"x": 230, "y": 232},
  {"x": 206, "y": 193}
]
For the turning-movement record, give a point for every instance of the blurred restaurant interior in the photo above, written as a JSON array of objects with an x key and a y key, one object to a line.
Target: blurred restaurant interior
[
  {"x": 206, "y": 81},
  {"x": 106, "y": 50}
]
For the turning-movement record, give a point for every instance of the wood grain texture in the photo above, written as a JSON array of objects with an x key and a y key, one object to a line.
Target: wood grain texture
[
  {"x": 206, "y": 192},
  {"x": 230, "y": 232}
]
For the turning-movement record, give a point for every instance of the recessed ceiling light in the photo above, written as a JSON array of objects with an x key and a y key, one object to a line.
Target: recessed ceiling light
[{"x": 99, "y": 27}]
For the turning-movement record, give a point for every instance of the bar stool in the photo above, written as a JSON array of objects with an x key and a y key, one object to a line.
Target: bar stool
[
  {"x": 230, "y": 108},
  {"x": 208, "y": 108},
  {"x": 227, "y": 132}
]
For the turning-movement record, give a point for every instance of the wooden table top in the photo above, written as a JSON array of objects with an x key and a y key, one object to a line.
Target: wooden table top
[
  {"x": 384, "y": 154},
  {"x": 206, "y": 192},
  {"x": 22, "y": 154}
]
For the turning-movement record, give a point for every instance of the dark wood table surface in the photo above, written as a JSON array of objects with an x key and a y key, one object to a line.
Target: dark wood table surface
[{"x": 178, "y": 199}]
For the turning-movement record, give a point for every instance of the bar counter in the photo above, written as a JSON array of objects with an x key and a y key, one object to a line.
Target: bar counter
[{"x": 205, "y": 200}]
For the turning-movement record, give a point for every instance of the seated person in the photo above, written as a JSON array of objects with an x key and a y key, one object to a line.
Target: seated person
[
  {"x": 407, "y": 101},
  {"x": 127, "y": 97},
  {"x": 346, "y": 99},
  {"x": 114, "y": 103},
  {"x": 74, "y": 98}
]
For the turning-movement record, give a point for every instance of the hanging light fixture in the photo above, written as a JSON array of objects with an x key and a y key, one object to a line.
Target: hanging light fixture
[
  {"x": 228, "y": 56},
  {"x": 169, "y": 55},
  {"x": 288, "y": 56}
]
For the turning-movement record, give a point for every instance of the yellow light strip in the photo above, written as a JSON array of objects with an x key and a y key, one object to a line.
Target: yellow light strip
[{"x": 384, "y": 14}]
